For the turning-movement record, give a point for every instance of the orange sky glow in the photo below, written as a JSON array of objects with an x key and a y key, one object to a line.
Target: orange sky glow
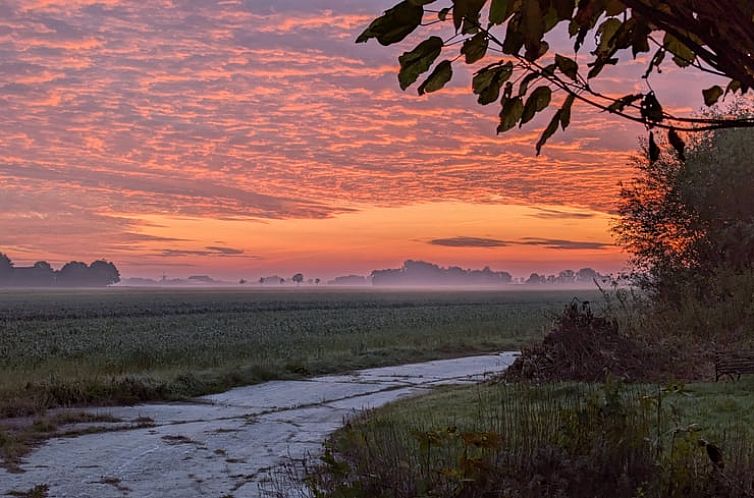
[{"x": 241, "y": 138}]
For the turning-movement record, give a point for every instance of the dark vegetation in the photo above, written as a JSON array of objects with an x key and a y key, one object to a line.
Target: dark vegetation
[
  {"x": 74, "y": 274},
  {"x": 511, "y": 36},
  {"x": 589, "y": 348},
  {"x": 547, "y": 429},
  {"x": 21, "y": 435},
  {"x": 422, "y": 273},
  {"x": 599, "y": 407},
  {"x": 552, "y": 440}
]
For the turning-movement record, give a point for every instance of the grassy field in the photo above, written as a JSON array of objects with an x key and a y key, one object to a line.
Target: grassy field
[
  {"x": 575, "y": 440},
  {"x": 127, "y": 345}
]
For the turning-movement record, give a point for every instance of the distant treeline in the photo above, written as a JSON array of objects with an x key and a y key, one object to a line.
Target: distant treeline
[
  {"x": 421, "y": 273},
  {"x": 74, "y": 274}
]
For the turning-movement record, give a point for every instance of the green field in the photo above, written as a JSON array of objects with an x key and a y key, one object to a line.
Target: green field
[{"x": 123, "y": 345}]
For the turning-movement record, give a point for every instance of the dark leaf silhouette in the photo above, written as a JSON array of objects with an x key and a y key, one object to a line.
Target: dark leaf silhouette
[{"x": 678, "y": 144}]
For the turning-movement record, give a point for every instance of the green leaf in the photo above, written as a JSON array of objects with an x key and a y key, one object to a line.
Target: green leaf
[
  {"x": 508, "y": 91},
  {"x": 395, "y": 25},
  {"x": 500, "y": 11},
  {"x": 640, "y": 38},
  {"x": 683, "y": 55},
  {"x": 564, "y": 8},
  {"x": 712, "y": 95},
  {"x": 443, "y": 14},
  {"x": 439, "y": 77},
  {"x": 523, "y": 87},
  {"x": 734, "y": 86},
  {"x": 598, "y": 65},
  {"x": 567, "y": 66},
  {"x": 418, "y": 60},
  {"x": 475, "y": 48},
  {"x": 614, "y": 7},
  {"x": 655, "y": 62},
  {"x": 511, "y": 113},
  {"x": 487, "y": 81},
  {"x": 549, "y": 131},
  {"x": 466, "y": 15},
  {"x": 514, "y": 38},
  {"x": 533, "y": 28},
  {"x": 606, "y": 32},
  {"x": 565, "y": 111},
  {"x": 537, "y": 101},
  {"x": 459, "y": 11},
  {"x": 678, "y": 144},
  {"x": 550, "y": 19}
]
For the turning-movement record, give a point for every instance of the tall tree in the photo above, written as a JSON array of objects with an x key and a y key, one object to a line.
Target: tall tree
[
  {"x": 104, "y": 273},
  {"x": 712, "y": 37},
  {"x": 6, "y": 269},
  {"x": 6, "y": 265},
  {"x": 686, "y": 219}
]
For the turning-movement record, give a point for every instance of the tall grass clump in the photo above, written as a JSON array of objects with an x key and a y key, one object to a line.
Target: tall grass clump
[{"x": 525, "y": 441}]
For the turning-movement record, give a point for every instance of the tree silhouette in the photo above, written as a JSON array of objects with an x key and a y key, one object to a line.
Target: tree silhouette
[
  {"x": 711, "y": 37},
  {"x": 298, "y": 278},
  {"x": 6, "y": 265},
  {"x": 686, "y": 220},
  {"x": 74, "y": 274},
  {"x": 103, "y": 273}
]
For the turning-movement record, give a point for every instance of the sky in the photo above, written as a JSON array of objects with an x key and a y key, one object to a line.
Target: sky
[{"x": 240, "y": 138}]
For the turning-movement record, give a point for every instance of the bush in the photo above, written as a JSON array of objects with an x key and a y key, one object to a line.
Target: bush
[{"x": 587, "y": 347}]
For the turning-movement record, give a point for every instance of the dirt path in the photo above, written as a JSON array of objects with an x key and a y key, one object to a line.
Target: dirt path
[{"x": 221, "y": 445}]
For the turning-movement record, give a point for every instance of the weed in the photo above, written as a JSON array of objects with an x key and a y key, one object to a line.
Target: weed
[{"x": 564, "y": 440}]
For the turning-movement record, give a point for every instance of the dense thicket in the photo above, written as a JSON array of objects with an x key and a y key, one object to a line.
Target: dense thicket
[{"x": 688, "y": 221}]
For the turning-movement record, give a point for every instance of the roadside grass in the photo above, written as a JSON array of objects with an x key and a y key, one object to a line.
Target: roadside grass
[
  {"x": 567, "y": 439},
  {"x": 19, "y": 436},
  {"x": 121, "y": 346}
]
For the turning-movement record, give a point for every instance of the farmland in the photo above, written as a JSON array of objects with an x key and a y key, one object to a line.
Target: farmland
[{"x": 129, "y": 345}]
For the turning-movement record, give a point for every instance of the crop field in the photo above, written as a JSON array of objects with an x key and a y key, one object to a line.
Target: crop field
[{"x": 127, "y": 345}]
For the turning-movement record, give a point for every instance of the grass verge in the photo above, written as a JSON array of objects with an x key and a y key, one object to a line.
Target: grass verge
[
  {"x": 555, "y": 440},
  {"x": 19, "y": 436}
]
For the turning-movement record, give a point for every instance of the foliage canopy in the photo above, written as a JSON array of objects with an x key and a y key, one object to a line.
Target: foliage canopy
[
  {"x": 712, "y": 37},
  {"x": 688, "y": 221}
]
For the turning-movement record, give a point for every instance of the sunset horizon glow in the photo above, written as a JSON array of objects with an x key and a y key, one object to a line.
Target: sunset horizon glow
[{"x": 242, "y": 139}]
